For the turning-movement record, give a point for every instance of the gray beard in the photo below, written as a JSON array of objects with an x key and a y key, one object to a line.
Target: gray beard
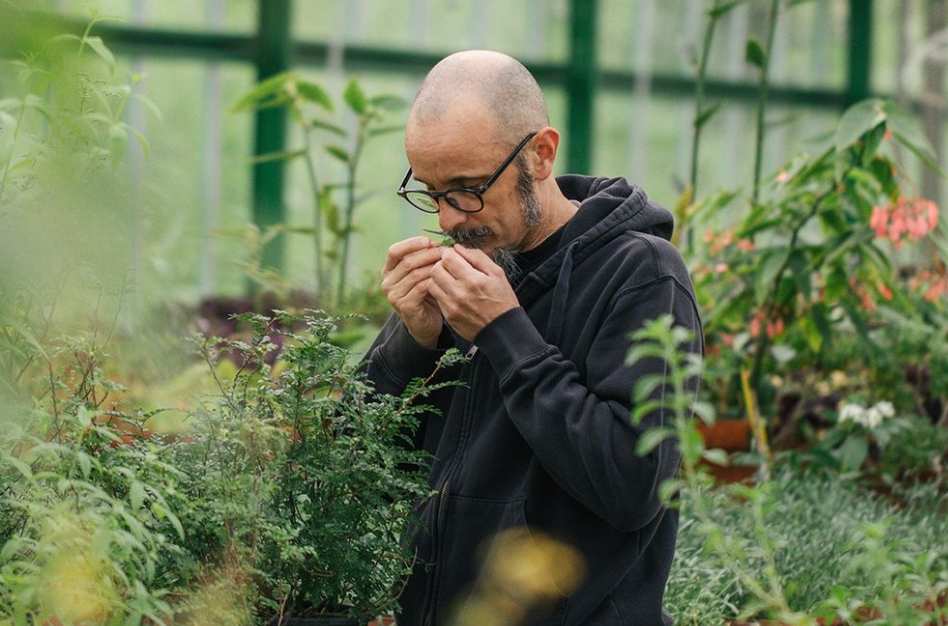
[{"x": 530, "y": 212}]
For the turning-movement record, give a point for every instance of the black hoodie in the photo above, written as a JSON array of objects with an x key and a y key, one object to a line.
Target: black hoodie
[{"x": 540, "y": 435}]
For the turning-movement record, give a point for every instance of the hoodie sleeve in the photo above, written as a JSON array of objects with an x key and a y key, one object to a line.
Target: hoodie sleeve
[
  {"x": 580, "y": 428},
  {"x": 395, "y": 359}
]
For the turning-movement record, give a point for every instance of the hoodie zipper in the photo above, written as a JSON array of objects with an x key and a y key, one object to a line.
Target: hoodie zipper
[{"x": 453, "y": 465}]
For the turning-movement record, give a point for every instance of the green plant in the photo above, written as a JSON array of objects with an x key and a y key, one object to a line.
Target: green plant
[
  {"x": 804, "y": 265},
  {"x": 289, "y": 90},
  {"x": 793, "y": 548},
  {"x": 297, "y": 473},
  {"x": 87, "y": 524}
]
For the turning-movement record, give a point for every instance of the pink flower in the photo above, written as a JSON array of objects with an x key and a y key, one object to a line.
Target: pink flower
[
  {"x": 914, "y": 217},
  {"x": 754, "y": 329},
  {"x": 745, "y": 244},
  {"x": 935, "y": 290},
  {"x": 878, "y": 220},
  {"x": 884, "y": 290},
  {"x": 720, "y": 268}
]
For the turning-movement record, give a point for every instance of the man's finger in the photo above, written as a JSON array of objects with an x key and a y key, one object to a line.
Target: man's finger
[
  {"x": 456, "y": 265},
  {"x": 440, "y": 295},
  {"x": 406, "y": 284},
  {"x": 444, "y": 280},
  {"x": 400, "y": 249},
  {"x": 477, "y": 259},
  {"x": 417, "y": 294},
  {"x": 409, "y": 263}
]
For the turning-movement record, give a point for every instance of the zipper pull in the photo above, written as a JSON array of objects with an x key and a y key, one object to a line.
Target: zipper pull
[{"x": 471, "y": 352}]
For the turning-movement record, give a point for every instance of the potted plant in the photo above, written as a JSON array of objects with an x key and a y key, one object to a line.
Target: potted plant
[{"x": 300, "y": 487}]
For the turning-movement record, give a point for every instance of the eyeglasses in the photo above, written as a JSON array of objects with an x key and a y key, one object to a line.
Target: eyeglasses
[{"x": 466, "y": 199}]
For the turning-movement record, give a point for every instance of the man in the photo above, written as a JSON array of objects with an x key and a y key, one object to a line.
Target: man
[{"x": 550, "y": 278}]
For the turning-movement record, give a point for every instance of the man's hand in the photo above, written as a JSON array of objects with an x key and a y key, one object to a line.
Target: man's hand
[
  {"x": 470, "y": 289},
  {"x": 405, "y": 280}
]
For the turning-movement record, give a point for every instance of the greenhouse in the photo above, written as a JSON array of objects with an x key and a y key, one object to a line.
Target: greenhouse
[{"x": 456, "y": 313}]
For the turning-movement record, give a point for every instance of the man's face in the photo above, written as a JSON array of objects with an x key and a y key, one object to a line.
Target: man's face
[{"x": 460, "y": 151}]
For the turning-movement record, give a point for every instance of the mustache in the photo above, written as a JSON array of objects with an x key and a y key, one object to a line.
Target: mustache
[{"x": 470, "y": 235}]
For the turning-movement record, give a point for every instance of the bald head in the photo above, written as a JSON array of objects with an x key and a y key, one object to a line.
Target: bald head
[{"x": 499, "y": 85}]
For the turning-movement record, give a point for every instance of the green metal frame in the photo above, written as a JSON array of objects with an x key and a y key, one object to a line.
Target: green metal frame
[
  {"x": 272, "y": 50},
  {"x": 581, "y": 82},
  {"x": 273, "y": 56}
]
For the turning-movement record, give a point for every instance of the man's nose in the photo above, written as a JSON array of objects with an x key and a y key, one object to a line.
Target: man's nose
[{"x": 450, "y": 218}]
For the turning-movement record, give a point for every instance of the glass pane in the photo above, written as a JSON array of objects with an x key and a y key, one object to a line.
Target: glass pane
[
  {"x": 809, "y": 43},
  {"x": 234, "y": 15},
  {"x": 538, "y": 31}
]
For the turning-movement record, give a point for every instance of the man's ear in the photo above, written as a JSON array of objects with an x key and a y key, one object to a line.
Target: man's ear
[{"x": 545, "y": 144}]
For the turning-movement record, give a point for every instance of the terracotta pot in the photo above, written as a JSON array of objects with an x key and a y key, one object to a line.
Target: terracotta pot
[
  {"x": 331, "y": 620},
  {"x": 321, "y": 620},
  {"x": 729, "y": 474},
  {"x": 728, "y": 435}
]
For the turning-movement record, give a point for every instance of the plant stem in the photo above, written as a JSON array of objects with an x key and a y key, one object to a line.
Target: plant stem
[
  {"x": 762, "y": 97},
  {"x": 699, "y": 108},
  {"x": 16, "y": 134},
  {"x": 350, "y": 210},
  {"x": 699, "y": 99},
  {"x": 770, "y": 304},
  {"x": 317, "y": 212}
]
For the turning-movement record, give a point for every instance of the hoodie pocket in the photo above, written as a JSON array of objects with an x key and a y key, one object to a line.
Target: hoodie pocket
[
  {"x": 493, "y": 566},
  {"x": 471, "y": 525}
]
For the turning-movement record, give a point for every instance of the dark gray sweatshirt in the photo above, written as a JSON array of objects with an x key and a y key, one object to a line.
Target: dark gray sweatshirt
[{"x": 540, "y": 435}]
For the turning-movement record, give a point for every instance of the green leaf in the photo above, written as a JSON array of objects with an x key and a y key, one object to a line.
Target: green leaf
[
  {"x": 327, "y": 126},
  {"x": 285, "y": 155},
  {"x": 384, "y": 130},
  {"x": 355, "y": 97},
  {"x": 716, "y": 456},
  {"x": 268, "y": 88},
  {"x": 704, "y": 410},
  {"x": 723, "y": 8},
  {"x": 388, "y": 102},
  {"x": 857, "y": 121},
  {"x": 99, "y": 47},
  {"x": 646, "y": 385},
  {"x": 136, "y": 495},
  {"x": 767, "y": 273},
  {"x": 643, "y": 409},
  {"x": 19, "y": 466},
  {"x": 149, "y": 104},
  {"x": 909, "y": 133},
  {"x": 85, "y": 464},
  {"x": 312, "y": 92},
  {"x": 755, "y": 55},
  {"x": 706, "y": 114},
  {"x": 338, "y": 152},
  {"x": 650, "y": 439},
  {"x": 669, "y": 488},
  {"x": 853, "y": 452},
  {"x": 331, "y": 211}
]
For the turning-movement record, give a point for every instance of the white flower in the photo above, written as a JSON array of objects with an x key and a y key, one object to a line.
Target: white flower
[
  {"x": 872, "y": 417},
  {"x": 885, "y": 408},
  {"x": 867, "y": 418},
  {"x": 851, "y": 413}
]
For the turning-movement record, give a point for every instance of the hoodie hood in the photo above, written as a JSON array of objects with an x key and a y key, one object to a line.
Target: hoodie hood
[
  {"x": 608, "y": 207},
  {"x": 619, "y": 203}
]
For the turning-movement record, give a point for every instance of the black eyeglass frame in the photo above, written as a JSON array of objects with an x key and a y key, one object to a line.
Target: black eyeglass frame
[{"x": 478, "y": 191}]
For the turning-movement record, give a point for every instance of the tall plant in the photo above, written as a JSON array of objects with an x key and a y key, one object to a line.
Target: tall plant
[{"x": 332, "y": 218}]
